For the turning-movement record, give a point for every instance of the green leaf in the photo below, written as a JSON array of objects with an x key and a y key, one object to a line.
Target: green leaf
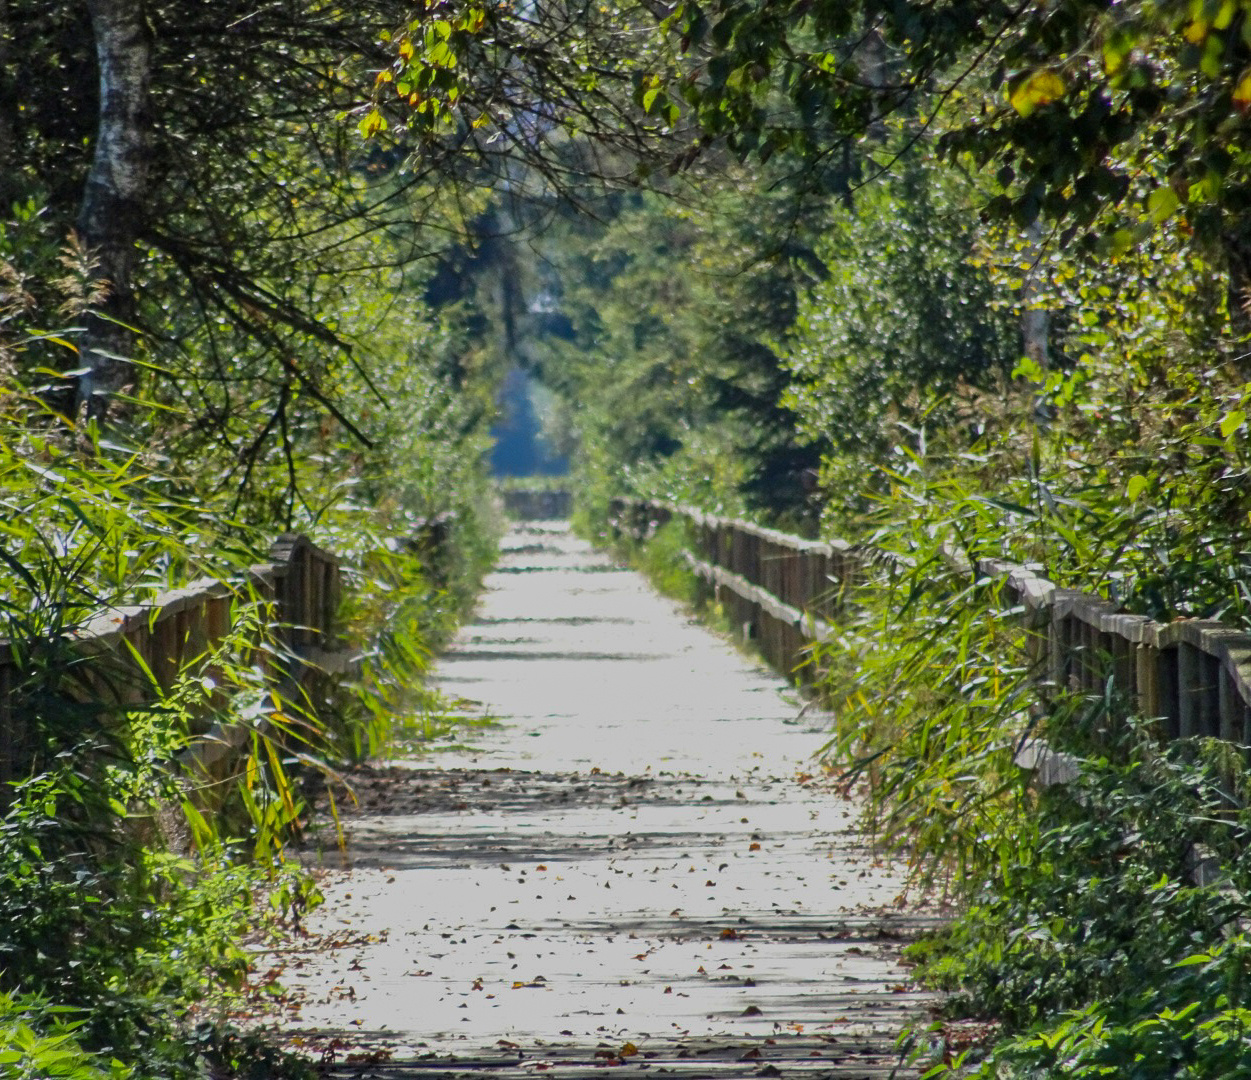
[
  {"x": 1162, "y": 203},
  {"x": 1041, "y": 88},
  {"x": 1028, "y": 368},
  {"x": 1232, "y": 421},
  {"x": 1136, "y": 486},
  {"x": 372, "y": 123}
]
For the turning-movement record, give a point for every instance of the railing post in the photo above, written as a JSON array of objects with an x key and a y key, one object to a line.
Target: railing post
[
  {"x": 1229, "y": 705},
  {"x": 1146, "y": 659},
  {"x": 1208, "y": 692},
  {"x": 1187, "y": 690},
  {"x": 1168, "y": 672}
]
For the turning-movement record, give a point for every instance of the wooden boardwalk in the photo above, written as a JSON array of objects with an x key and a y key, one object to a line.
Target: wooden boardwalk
[{"x": 634, "y": 870}]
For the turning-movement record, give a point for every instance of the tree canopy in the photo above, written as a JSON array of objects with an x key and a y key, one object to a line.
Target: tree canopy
[{"x": 936, "y": 275}]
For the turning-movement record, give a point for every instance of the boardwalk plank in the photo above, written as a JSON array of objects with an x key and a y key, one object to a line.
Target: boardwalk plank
[{"x": 637, "y": 857}]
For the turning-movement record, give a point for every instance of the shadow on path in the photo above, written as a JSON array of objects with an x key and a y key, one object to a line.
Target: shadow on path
[{"x": 640, "y": 869}]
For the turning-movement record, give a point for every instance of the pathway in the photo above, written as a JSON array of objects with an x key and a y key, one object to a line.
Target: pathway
[{"x": 633, "y": 870}]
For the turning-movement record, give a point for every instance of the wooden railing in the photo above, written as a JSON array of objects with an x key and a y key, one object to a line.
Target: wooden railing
[
  {"x": 298, "y": 592},
  {"x": 1194, "y": 675}
]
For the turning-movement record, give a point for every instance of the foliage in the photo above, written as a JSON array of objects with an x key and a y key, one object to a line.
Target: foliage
[
  {"x": 1137, "y": 468},
  {"x": 403, "y": 604},
  {"x": 903, "y": 331},
  {"x": 1095, "y": 944},
  {"x": 1112, "y": 462},
  {"x": 670, "y": 373},
  {"x": 928, "y": 679},
  {"x": 547, "y": 96},
  {"x": 1114, "y": 466},
  {"x": 292, "y": 370},
  {"x": 98, "y": 915},
  {"x": 1112, "y": 119},
  {"x": 263, "y": 216},
  {"x": 38, "y": 1040},
  {"x": 660, "y": 558}
]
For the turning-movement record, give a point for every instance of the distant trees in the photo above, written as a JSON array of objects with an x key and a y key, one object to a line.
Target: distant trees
[{"x": 230, "y": 196}]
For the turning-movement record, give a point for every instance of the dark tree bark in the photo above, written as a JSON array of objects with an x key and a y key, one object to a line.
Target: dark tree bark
[
  {"x": 8, "y": 108},
  {"x": 112, "y": 213}
]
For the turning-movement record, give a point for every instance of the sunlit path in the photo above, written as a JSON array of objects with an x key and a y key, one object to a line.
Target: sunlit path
[{"x": 635, "y": 859}]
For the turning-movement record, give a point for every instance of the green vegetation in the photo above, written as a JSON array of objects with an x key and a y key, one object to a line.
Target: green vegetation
[
  {"x": 955, "y": 276},
  {"x": 265, "y": 361},
  {"x": 129, "y": 882},
  {"x": 1025, "y": 340},
  {"x": 1096, "y": 945}
]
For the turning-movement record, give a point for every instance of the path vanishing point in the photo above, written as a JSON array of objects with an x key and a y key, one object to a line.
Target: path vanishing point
[{"x": 633, "y": 871}]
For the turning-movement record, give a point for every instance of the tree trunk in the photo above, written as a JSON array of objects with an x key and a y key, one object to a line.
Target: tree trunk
[
  {"x": 1035, "y": 321},
  {"x": 8, "y": 111},
  {"x": 111, "y": 216}
]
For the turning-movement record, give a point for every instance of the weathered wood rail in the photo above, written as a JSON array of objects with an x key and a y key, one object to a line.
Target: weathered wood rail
[
  {"x": 298, "y": 594},
  {"x": 1193, "y": 675}
]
